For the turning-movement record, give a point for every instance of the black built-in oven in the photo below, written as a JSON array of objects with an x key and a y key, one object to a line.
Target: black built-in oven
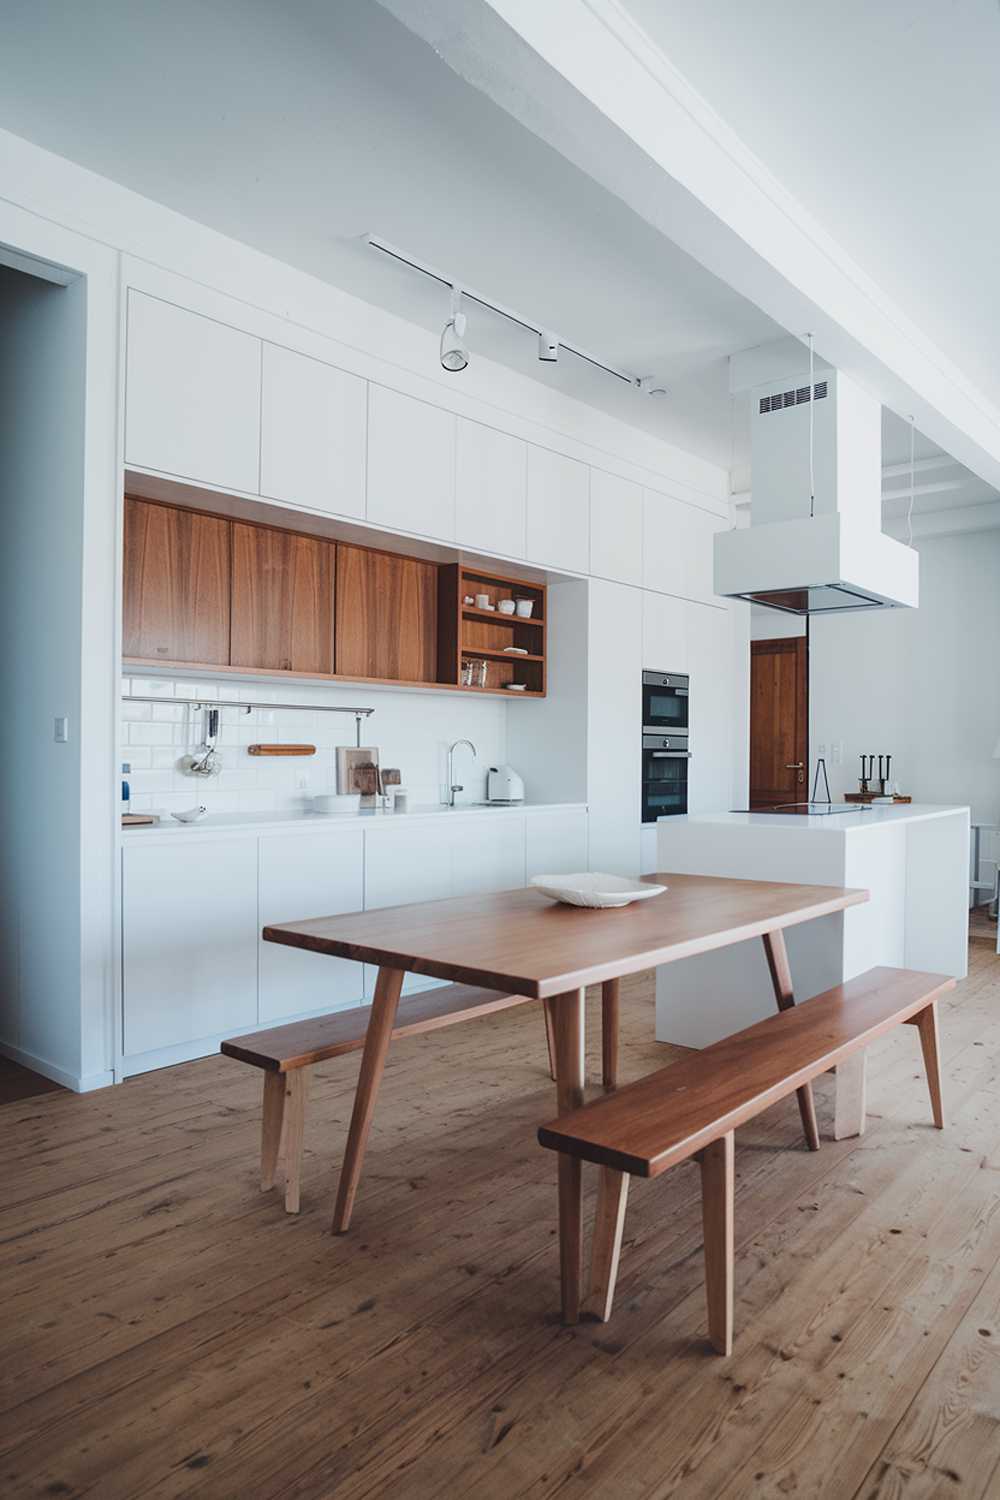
[
  {"x": 665, "y": 760},
  {"x": 665, "y": 700}
]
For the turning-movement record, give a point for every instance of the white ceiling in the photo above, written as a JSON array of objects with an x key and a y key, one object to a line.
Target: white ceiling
[
  {"x": 297, "y": 128},
  {"x": 883, "y": 119}
]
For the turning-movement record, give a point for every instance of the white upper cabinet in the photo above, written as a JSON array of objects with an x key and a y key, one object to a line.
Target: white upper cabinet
[
  {"x": 312, "y": 441},
  {"x": 303, "y": 876},
  {"x": 677, "y": 550},
  {"x": 411, "y": 464},
  {"x": 615, "y": 528},
  {"x": 490, "y": 489},
  {"x": 192, "y": 395},
  {"x": 558, "y": 523},
  {"x": 614, "y": 719},
  {"x": 665, "y": 633}
]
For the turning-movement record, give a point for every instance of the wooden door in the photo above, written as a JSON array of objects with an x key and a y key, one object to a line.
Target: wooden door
[
  {"x": 386, "y": 616},
  {"x": 283, "y": 586},
  {"x": 779, "y": 721},
  {"x": 176, "y": 585}
]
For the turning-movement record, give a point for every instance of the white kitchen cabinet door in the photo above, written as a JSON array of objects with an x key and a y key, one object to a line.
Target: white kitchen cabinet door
[
  {"x": 312, "y": 443},
  {"x": 713, "y": 694},
  {"x": 614, "y": 727},
  {"x": 555, "y": 843},
  {"x": 615, "y": 528},
  {"x": 488, "y": 855},
  {"x": 669, "y": 547},
  {"x": 192, "y": 395},
  {"x": 664, "y": 633},
  {"x": 303, "y": 876},
  {"x": 189, "y": 939},
  {"x": 490, "y": 489},
  {"x": 403, "y": 865},
  {"x": 411, "y": 464},
  {"x": 558, "y": 514}
]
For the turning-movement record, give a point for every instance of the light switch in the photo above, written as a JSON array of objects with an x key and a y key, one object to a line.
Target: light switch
[{"x": 61, "y": 730}]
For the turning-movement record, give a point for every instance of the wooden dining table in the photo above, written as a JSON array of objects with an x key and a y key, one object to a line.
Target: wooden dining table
[{"x": 521, "y": 943}]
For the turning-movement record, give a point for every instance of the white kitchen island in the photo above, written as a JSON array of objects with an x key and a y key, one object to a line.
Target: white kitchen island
[{"x": 913, "y": 859}]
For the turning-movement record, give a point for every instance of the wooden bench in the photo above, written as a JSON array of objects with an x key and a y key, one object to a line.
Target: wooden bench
[
  {"x": 286, "y": 1053},
  {"x": 692, "y": 1109}
]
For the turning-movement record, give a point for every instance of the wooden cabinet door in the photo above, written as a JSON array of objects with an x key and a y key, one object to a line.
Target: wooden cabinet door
[
  {"x": 176, "y": 584},
  {"x": 282, "y": 600},
  {"x": 192, "y": 395},
  {"x": 386, "y": 616}
]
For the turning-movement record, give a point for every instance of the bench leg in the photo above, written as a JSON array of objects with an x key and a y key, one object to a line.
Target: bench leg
[
  {"x": 609, "y": 1225},
  {"x": 609, "y": 1032},
  {"x": 717, "y": 1175},
  {"x": 567, "y": 1011},
  {"x": 781, "y": 980},
  {"x": 927, "y": 1025},
  {"x": 380, "y": 1024},
  {"x": 272, "y": 1119},
  {"x": 849, "y": 1111},
  {"x": 550, "y": 1037},
  {"x": 296, "y": 1090}
]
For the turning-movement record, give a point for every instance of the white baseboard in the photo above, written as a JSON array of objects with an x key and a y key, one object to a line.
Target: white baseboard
[{"x": 78, "y": 1083}]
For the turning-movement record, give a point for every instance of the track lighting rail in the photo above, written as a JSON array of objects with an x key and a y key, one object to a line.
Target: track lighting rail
[{"x": 548, "y": 341}]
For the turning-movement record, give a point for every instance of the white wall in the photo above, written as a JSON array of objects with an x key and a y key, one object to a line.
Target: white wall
[
  {"x": 42, "y": 343},
  {"x": 412, "y": 731},
  {"x": 920, "y": 684}
]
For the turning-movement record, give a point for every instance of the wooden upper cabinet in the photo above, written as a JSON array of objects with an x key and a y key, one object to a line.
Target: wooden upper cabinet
[
  {"x": 176, "y": 584},
  {"x": 283, "y": 586},
  {"x": 386, "y": 615}
]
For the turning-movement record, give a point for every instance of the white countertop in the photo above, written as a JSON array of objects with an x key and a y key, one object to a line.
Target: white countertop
[
  {"x": 306, "y": 821},
  {"x": 840, "y": 822}
]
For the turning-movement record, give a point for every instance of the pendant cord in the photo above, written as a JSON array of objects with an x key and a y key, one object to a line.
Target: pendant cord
[
  {"x": 909, "y": 508},
  {"x": 812, "y": 402}
]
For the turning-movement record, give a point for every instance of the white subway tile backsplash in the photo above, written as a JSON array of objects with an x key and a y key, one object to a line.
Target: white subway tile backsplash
[
  {"x": 152, "y": 687},
  {"x": 136, "y": 711},
  {"x": 139, "y": 757},
  {"x": 168, "y": 713}
]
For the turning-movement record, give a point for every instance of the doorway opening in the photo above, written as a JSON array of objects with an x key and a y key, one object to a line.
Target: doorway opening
[{"x": 779, "y": 721}]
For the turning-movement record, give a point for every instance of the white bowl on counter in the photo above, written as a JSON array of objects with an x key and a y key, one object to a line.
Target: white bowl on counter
[
  {"x": 337, "y": 802},
  {"x": 594, "y": 889}
]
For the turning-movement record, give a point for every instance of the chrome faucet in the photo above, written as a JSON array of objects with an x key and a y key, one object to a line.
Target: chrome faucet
[{"x": 452, "y": 786}]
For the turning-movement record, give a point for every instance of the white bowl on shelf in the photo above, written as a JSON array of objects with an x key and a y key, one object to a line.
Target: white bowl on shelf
[
  {"x": 594, "y": 889},
  {"x": 337, "y": 802}
]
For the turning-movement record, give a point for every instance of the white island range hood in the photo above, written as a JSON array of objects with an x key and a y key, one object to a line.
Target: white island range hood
[{"x": 837, "y": 558}]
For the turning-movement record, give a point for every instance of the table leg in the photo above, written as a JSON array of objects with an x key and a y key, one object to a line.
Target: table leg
[
  {"x": 609, "y": 1032},
  {"x": 781, "y": 980},
  {"x": 568, "y": 1011},
  {"x": 377, "y": 1037}
]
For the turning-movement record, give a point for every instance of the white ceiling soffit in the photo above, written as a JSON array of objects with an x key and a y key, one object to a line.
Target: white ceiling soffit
[{"x": 585, "y": 77}]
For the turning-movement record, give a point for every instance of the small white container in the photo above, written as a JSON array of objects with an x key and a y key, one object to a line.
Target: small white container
[
  {"x": 524, "y": 608},
  {"x": 483, "y": 601},
  {"x": 337, "y": 802},
  {"x": 400, "y": 803},
  {"x": 506, "y": 606}
]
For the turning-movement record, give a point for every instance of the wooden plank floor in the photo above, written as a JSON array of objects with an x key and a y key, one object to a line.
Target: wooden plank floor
[{"x": 168, "y": 1331}]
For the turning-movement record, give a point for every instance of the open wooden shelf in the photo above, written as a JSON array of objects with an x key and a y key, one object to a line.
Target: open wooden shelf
[
  {"x": 481, "y": 634},
  {"x": 470, "y": 612},
  {"x": 500, "y": 655}
]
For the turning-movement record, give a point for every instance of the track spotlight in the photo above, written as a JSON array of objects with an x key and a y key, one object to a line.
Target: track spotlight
[
  {"x": 650, "y": 386},
  {"x": 454, "y": 354},
  {"x": 548, "y": 348}
]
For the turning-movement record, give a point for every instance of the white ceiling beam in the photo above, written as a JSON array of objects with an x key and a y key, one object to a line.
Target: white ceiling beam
[
  {"x": 960, "y": 520},
  {"x": 920, "y": 466},
  {"x": 583, "y": 76}
]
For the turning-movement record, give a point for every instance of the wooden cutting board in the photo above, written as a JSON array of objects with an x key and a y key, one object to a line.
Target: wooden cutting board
[{"x": 281, "y": 749}]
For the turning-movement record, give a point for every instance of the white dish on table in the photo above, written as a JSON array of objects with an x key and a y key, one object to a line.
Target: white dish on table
[
  {"x": 337, "y": 802},
  {"x": 594, "y": 889}
]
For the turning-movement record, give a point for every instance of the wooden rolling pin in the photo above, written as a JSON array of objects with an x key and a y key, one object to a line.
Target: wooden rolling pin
[{"x": 281, "y": 749}]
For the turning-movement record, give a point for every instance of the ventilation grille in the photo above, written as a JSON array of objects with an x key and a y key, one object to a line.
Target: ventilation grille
[{"x": 782, "y": 399}]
